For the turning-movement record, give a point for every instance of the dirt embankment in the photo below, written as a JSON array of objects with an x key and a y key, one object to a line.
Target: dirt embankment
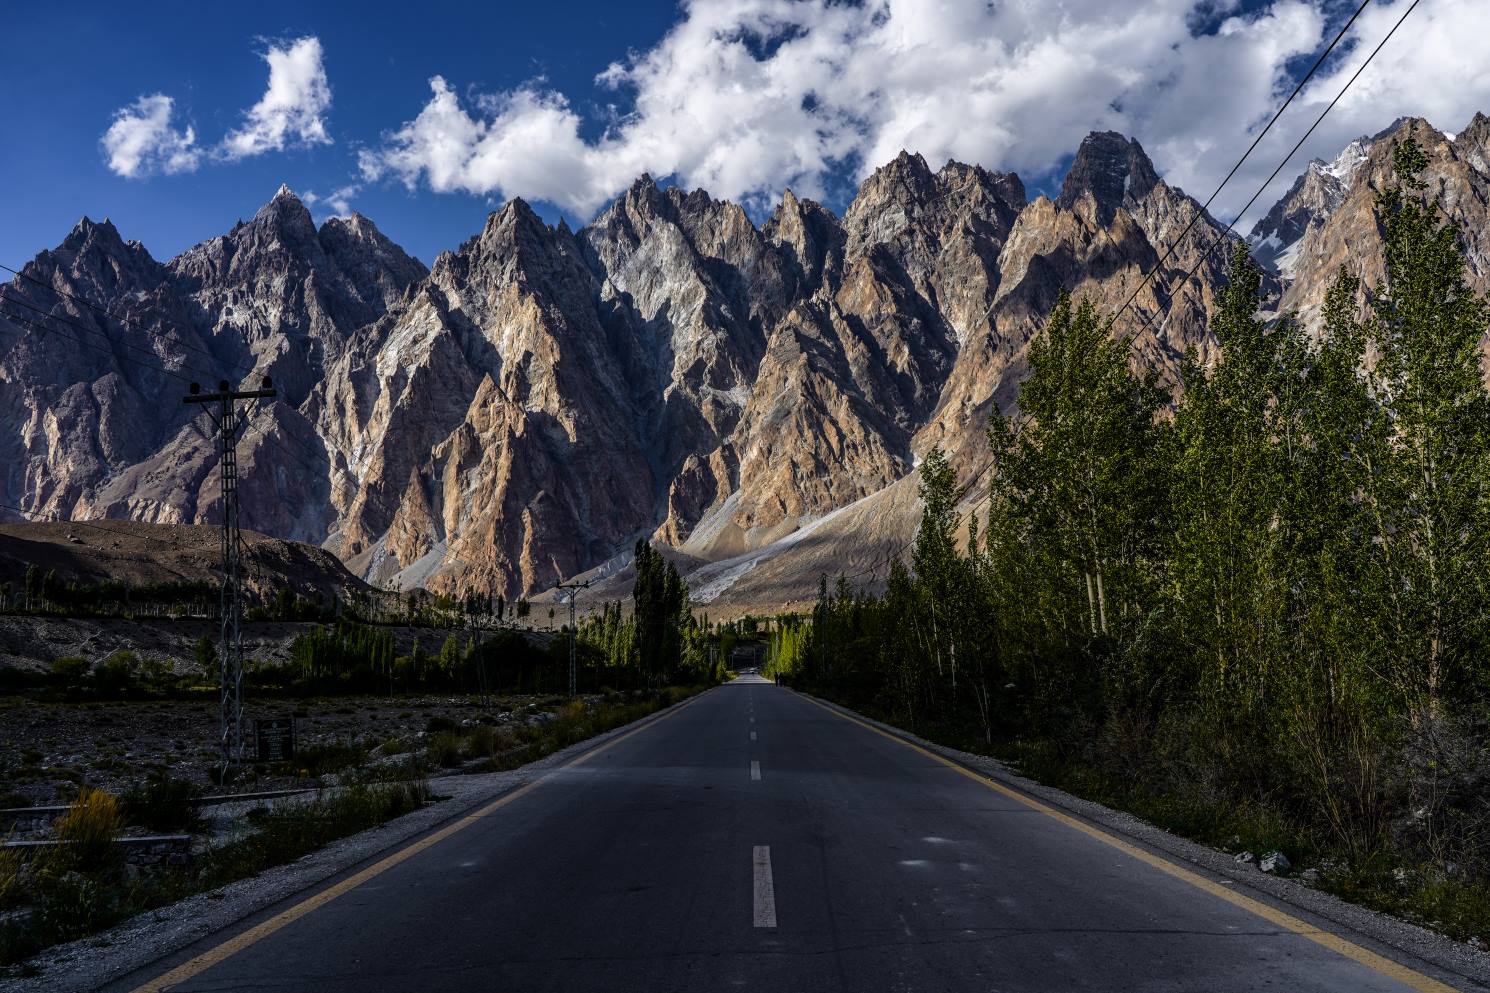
[{"x": 144, "y": 554}]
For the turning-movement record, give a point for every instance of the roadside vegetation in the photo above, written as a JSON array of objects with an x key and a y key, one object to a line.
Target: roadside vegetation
[
  {"x": 508, "y": 684},
  {"x": 85, "y": 884},
  {"x": 1257, "y": 614}
]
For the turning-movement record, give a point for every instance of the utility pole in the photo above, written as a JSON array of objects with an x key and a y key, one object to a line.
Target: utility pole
[
  {"x": 573, "y": 628},
  {"x": 230, "y": 656}
]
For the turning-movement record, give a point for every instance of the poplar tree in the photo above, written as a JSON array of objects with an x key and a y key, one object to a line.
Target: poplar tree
[
  {"x": 1434, "y": 519},
  {"x": 1077, "y": 475},
  {"x": 1227, "y": 569}
]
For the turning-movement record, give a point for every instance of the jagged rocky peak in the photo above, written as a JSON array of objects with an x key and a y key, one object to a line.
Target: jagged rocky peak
[
  {"x": 974, "y": 182},
  {"x": 285, "y": 217},
  {"x": 907, "y": 175},
  {"x": 904, "y": 204},
  {"x": 88, "y": 231},
  {"x": 1350, "y": 234},
  {"x": 642, "y": 199},
  {"x": 1110, "y": 168},
  {"x": 378, "y": 268},
  {"x": 95, "y": 255},
  {"x": 1473, "y": 144},
  {"x": 887, "y": 201},
  {"x": 806, "y": 232},
  {"x": 515, "y": 244},
  {"x": 1315, "y": 195}
]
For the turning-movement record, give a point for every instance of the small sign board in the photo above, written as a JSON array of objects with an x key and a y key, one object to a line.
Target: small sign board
[{"x": 276, "y": 738}]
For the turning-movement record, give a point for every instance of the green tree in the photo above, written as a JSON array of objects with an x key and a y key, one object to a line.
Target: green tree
[
  {"x": 1079, "y": 500},
  {"x": 1432, "y": 498},
  {"x": 204, "y": 653},
  {"x": 1228, "y": 561}
]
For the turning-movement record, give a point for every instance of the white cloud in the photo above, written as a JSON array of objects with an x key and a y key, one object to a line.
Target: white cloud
[
  {"x": 142, "y": 140},
  {"x": 339, "y": 200},
  {"x": 744, "y": 97},
  {"x": 292, "y": 108}
]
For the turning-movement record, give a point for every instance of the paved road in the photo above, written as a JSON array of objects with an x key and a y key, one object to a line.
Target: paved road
[{"x": 755, "y": 840}]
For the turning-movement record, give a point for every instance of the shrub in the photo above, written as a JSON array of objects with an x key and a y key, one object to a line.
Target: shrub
[
  {"x": 116, "y": 674},
  {"x": 437, "y": 724},
  {"x": 10, "y": 878},
  {"x": 163, "y": 803},
  {"x": 89, "y": 828},
  {"x": 320, "y": 760},
  {"x": 444, "y": 749},
  {"x": 71, "y": 904},
  {"x": 286, "y": 833},
  {"x": 70, "y": 669}
]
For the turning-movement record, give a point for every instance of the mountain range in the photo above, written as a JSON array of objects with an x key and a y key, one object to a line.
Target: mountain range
[{"x": 753, "y": 397}]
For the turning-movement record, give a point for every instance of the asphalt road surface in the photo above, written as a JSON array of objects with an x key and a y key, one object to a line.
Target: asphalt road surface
[{"x": 752, "y": 839}]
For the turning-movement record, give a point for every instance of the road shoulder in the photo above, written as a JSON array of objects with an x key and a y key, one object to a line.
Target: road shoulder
[
  {"x": 93, "y": 962},
  {"x": 1447, "y": 960}
]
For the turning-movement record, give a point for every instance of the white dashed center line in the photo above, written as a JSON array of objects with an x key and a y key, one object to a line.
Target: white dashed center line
[
  {"x": 755, "y": 770},
  {"x": 765, "y": 890},
  {"x": 752, "y": 736}
]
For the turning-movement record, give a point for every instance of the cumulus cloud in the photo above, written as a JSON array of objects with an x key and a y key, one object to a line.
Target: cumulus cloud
[
  {"x": 744, "y": 97},
  {"x": 142, "y": 140},
  {"x": 291, "y": 110},
  {"x": 339, "y": 201}
]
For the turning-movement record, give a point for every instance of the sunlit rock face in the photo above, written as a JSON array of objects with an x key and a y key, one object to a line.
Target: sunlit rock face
[{"x": 526, "y": 409}]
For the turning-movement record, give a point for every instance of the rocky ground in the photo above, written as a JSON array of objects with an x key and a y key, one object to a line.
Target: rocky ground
[
  {"x": 31, "y": 642},
  {"x": 47, "y": 750}
]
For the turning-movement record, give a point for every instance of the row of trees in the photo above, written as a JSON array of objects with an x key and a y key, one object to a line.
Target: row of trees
[
  {"x": 1273, "y": 589},
  {"x": 357, "y": 658},
  {"x": 661, "y": 641},
  {"x": 42, "y": 592}
]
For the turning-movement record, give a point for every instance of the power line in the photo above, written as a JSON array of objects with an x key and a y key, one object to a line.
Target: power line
[
  {"x": 1291, "y": 152},
  {"x": 16, "y": 301},
  {"x": 885, "y": 560},
  {"x": 28, "y": 322},
  {"x": 277, "y": 442},
  {"x": 1250, "y": 148}
]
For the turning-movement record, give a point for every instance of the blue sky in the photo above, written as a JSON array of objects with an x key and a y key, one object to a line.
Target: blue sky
[
  {"x": 66, "y": 76},
  {"x": 437, "y": 112}
]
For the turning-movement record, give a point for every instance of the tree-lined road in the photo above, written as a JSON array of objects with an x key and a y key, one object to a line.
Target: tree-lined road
[{"x": 753, "y": 839}]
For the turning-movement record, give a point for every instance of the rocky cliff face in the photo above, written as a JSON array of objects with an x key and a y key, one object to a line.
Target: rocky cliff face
[
  {"x": 90, "y": 388},
  {"x": 1333, "y": 210},
  {"x": 542, "y": 397}
]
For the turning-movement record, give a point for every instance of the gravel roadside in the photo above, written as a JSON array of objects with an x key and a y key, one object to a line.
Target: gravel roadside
[{"x": 1444, "y": 959}]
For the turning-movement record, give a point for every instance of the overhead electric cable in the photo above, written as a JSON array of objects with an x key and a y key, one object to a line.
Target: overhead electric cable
[
  {"x": 1291, "y": 152},
  {"x": 153, "y": 367},
  {"x": 1245, "y": 155}
]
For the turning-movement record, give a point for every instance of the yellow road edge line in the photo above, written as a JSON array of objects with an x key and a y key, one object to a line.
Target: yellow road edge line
[
  {"x": 237, "y": 943},
  {"x": 1378, "y": 963}
]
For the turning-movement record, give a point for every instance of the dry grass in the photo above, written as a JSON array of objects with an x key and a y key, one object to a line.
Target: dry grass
[{"x": 89, "y": 828}]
